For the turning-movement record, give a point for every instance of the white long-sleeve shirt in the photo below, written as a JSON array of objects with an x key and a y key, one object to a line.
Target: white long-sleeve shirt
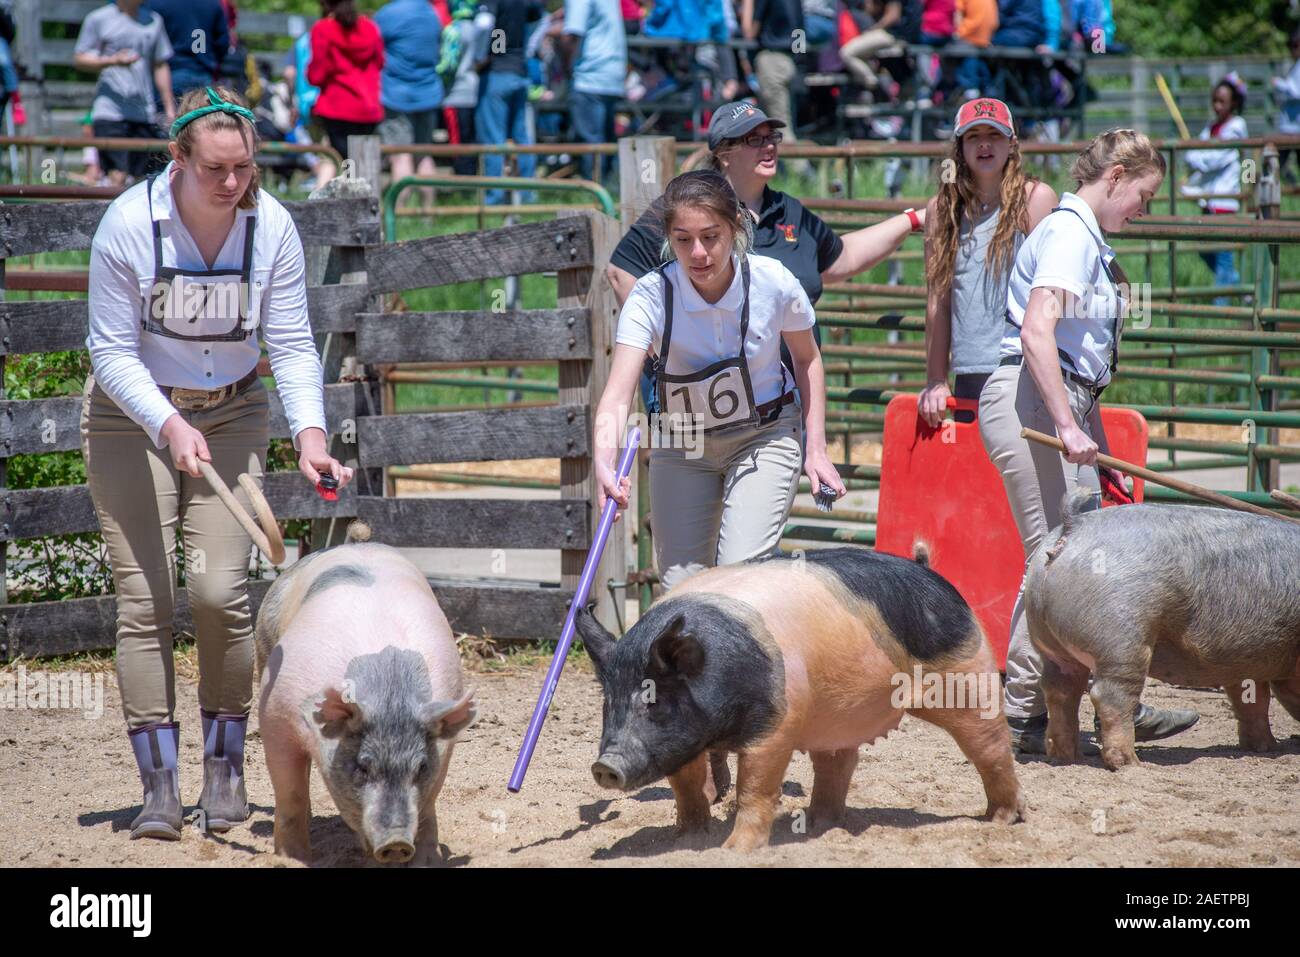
[
  {"x": 1217, "y": 171},
  {"x": 130, "y": 363}
]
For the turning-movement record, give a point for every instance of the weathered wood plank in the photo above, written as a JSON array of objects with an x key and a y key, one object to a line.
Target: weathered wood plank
[
  {"x": 473, "y": 336},
  {"x": 29, "y": 228},
  {"x": 53, "y": 325},
  {"x": 334, "y": 308},
  {"x": 476, "y": 523},
  {"x": 44, "y": 629},
  {"x": 68, "y": 509},
  {"x": 350, "y": 221},
  {"x": 49, "y": 227},
  {"x": 465, "y": 257},
  {"x": 34, "y": 426},
  {"x": 489, "y": 436},
  {"x": 53, "y": 510},
  {"x": 503, "y": 611}
]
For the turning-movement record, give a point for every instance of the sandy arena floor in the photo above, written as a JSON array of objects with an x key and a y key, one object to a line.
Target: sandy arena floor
[{"x": 68, "y": 791}]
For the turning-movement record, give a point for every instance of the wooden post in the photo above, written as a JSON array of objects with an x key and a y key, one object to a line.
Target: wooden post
[
  {"x": 1140, "y": 85},
  {"x": 27, "y": 52},
  {"x": 645, "y": 165},
  {"x": 346, "y": 264},
  {"x": 582, "y": 381}
]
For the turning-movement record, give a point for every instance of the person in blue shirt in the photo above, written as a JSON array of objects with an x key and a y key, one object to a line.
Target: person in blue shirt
[
  {"x": 503, "y": 108},
  {"x": 411, "y": 89},
  {"x": 593, "y": 48},
  {"x": 200, "y": 39}
]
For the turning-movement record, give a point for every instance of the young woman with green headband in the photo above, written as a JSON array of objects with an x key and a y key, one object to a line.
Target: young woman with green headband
[{"x": 184, "y": 270}]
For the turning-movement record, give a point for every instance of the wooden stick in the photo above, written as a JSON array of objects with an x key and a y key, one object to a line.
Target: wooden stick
[
  {"x": 1172, "y": 106},
  {"x": 1288, "y": 500},
  {"x": 1178, "y": 485},
  {"x": 267, "y": 538}
]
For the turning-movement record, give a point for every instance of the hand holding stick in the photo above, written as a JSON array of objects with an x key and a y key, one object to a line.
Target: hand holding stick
[
  {"x": 1168, "y": 481},
  {"x": 267, "y": 538}
]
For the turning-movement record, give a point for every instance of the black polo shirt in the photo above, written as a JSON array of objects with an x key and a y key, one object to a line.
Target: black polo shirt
[{"x": 798, "y": 239}]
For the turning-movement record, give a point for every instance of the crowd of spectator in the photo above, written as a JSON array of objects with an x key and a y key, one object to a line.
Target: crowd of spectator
[{"x": 493, "y": 71}]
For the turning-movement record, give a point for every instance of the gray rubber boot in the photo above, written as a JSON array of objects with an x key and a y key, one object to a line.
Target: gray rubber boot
[
  {"x": 155, "y": 747},
  {"x": 224, "y": 802}
]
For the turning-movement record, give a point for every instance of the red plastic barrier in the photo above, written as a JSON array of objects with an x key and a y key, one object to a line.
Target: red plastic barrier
[{"x": 938, "y": 486}]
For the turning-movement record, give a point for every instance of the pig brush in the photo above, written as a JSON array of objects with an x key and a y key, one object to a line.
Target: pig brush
[
  {"x": 566, "y": 634},
  {"x": 267, "y": 537}
]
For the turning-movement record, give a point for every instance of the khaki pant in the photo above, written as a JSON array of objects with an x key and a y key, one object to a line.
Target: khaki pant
[
  {"x": 139, "y": 496},
  {"x": 730, "y": 502},
  {"x": 870, "y": 43},
  {"x": 776, "y": 70},
  {"x": 1036, "y": 479}
]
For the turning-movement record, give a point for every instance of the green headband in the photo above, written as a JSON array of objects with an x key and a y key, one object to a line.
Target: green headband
[{"x": 217, "y": 105}]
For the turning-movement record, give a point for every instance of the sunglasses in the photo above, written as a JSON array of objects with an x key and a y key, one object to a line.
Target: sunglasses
[{"x": 755, "y": 141}]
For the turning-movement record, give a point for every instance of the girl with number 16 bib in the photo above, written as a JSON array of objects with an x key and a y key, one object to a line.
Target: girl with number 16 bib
[{"x": 731, "y": 442}]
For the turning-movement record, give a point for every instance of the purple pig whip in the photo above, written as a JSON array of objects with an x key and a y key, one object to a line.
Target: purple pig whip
[{"x": 566, "y": 635}]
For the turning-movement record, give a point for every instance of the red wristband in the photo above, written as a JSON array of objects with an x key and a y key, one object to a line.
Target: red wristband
[{"x": 916, "y": 220}]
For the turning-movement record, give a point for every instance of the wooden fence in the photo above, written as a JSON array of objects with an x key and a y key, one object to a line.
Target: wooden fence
[{"x": 349, "y": 270}]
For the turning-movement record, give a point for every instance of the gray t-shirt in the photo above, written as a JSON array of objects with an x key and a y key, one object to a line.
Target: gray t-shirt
[
  {"x": 125, "y": 92},
  {"x": 979, "y": 298}
]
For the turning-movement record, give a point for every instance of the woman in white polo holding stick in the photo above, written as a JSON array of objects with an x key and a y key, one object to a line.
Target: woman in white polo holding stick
[
  {"x": 184, "y": 269},
  {"x": 1060, "y": 346},
  {"x": 714, "y": 318}
]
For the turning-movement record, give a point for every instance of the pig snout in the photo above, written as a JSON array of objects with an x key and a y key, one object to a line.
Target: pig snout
[
  {"x": 396, "y": 851},
  {"x": 609, "y": 771},
  {"x": 390, "y": 815}
]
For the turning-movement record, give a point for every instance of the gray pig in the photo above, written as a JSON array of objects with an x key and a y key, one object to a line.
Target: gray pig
[
  {"x": 1192, "y": 596},
  {"x": 360, "y": 675}
]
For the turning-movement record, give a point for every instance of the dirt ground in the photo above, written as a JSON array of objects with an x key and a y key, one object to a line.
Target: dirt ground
[{"x": 68, "y": 791}]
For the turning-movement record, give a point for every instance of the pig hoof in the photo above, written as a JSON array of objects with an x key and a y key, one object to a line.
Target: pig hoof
[
  {"x": 695, "y": 839},
  {"x": 744, "y": 841},
  {"x": 1116, "y": 760},
  {"x": 825, "y": 819},
  {"x": 1259, "y": 742},
  {"x": 693, "y": 825},
  {"x": 1007, "y": 814},
  {"x": 1061, "y": 754}
]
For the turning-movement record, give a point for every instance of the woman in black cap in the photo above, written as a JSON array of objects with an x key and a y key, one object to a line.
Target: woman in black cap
[{"x": 743, "y": 143}]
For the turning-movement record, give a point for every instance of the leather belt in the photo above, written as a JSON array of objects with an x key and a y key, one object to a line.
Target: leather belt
[
  {"x": 198, "y": 400},
  {"x": 769, "y": 408},
  {"x": 1092, "y": 387}
]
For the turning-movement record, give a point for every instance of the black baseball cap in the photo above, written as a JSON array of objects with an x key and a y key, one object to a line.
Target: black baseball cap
[{"x": 733, "y": 120}]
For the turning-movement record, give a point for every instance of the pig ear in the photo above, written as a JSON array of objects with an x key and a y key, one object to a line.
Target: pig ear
[
  {"x": 595, "y": 637},
  {"x": 446, "y": 719},
  {"x": 675, "y": 653},
  {"x": 332, "y": 705}
]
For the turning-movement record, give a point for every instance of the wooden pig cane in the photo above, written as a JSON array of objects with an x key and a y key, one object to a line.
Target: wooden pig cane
[
  {"x": 267, "y": 538},
  {"x": 1178, "y": 485}
]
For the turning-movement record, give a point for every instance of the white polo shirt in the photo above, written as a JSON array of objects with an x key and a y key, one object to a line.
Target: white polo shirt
[
  {"x": 130, "y": 364},
  {"x": 1067, "y": 251},
  {"x": 705, "y": 333}
]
